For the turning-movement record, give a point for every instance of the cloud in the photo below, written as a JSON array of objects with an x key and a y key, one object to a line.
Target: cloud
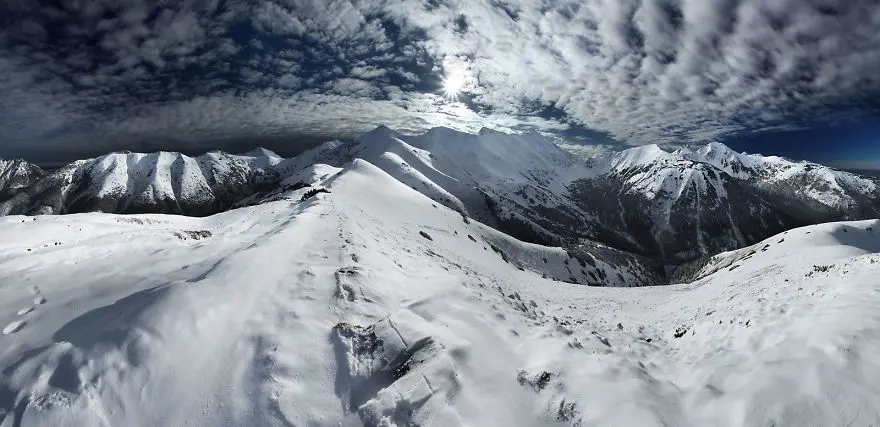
[
  {"x": 84, "y": 76},
  {"x": 589, "y": 151}
]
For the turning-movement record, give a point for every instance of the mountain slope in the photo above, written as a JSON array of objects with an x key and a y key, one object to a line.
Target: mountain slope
[
  {"x": 652, "y": 202},
  {"x": 17, "y": 174},
  {"x": 137, "y": 183},
  {"x": 372, "y": 305},
  {"x": 513, "y": 182},
  {"x": 666, "y": 208},
  {"x": 814, "y": 192},
  {"x": 696, "y": 201},
  {"x": 670, "y": 207}
]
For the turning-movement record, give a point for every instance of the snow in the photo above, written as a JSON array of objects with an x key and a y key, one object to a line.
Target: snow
[
  {"x": 15, "y": 174},
  {"x": 639, "y": 156},
  {"x": 261, "y": 152},
  {"x": 523, "y": 184},
  {"x": 462, "y": 171},
  {"x": 832, "y": 188},
  {"x": 337, "y": 310},
  {"x": 487, "y": 159},
  {"x": 13, "y": 327},
  {"x": 126, "y": 179}
]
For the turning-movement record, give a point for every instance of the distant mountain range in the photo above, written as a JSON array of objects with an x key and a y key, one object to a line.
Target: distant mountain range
[
  {"x": 127, "y": 182},
  {"x": 644, "y": 205},
  {"x": 865, "y": 172}
]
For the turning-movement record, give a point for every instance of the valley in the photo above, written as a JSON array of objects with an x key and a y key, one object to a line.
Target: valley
[{"x": 392, "y": 282}]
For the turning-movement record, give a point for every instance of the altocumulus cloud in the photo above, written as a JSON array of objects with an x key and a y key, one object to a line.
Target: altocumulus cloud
[{"x": 90, "y": 76}]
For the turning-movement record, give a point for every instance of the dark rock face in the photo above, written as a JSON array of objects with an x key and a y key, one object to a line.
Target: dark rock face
[
  {"x": 17, "y": 174},
  {"x": 680, "y": 228},
  {"x": 674, "y": 209},
  {"x": 788, "y": 194},
  {"x": 699, "y": 211}
]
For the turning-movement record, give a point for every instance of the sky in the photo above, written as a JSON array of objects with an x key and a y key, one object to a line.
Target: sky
[
  {"x": 79, "y": 78},
  {"x": 852, "y": 146}
]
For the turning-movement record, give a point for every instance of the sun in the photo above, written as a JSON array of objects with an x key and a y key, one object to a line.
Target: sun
[{"x": 453, "y": 83}]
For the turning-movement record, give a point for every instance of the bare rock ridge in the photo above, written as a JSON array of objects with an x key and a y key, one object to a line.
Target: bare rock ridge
[{"x": 643, "y": 205}]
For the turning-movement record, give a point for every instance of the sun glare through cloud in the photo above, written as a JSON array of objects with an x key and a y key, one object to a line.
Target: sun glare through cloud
[
  {"x": 453, "y": 83},
  {"x": 456, "y": 78}
]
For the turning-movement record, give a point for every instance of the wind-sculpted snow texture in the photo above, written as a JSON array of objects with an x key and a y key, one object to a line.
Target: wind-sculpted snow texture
[{"x": 372, "y": 304}]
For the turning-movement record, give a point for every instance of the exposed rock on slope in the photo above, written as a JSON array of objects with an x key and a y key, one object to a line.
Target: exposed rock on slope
[
  {"x": 332, "y": 311},
  {"x": 146, "y": 183},
  {"x": 811, "y": 192},
  {"x": 671, "y": 207},
  {"x": 702, "y": 200},
  {"x": 17, "y": 174}
]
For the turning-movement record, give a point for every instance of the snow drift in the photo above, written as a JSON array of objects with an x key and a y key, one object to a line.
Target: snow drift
[{"x": 372, "y": 304}]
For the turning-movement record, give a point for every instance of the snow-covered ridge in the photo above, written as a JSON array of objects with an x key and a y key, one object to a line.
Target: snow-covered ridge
[
  {"x": 374, "y": 305},
  {"x": 164, "y": 182},
  {"x": 706, "y": 199},
  {"x": 817, "y": 183},
  {"x": 378, "y": 282},
  {"x": 669, "y": 206}
]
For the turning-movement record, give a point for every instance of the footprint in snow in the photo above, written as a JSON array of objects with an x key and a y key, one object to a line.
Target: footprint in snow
[
  {"x": 13, "y": 327},
  {"x": 39, "y": 300},
  {"x": 24, "y": 311}
]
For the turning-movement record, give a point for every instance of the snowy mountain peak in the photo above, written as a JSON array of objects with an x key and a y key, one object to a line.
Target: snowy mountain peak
[
  {"x": 639, "y": 156},
  {"x": 488, "y": 131},
  {"x": 717, "y": 149},
  {"x": 721, "y": 157},
  {"x": 712, "y": 150},
  {"x": 16, "y": 174},
  {"x": 837, "y": 190},
  {"x": 671, "y": 207},
  {"x": 17, "y": 165},
  {"x": 261, "y": 152},
  {"x": 127, "y": 182},
  {"x": 379, "y": 133},
  {"x": 374, "y": 305},
  {"x": 442, "y": 130}
]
